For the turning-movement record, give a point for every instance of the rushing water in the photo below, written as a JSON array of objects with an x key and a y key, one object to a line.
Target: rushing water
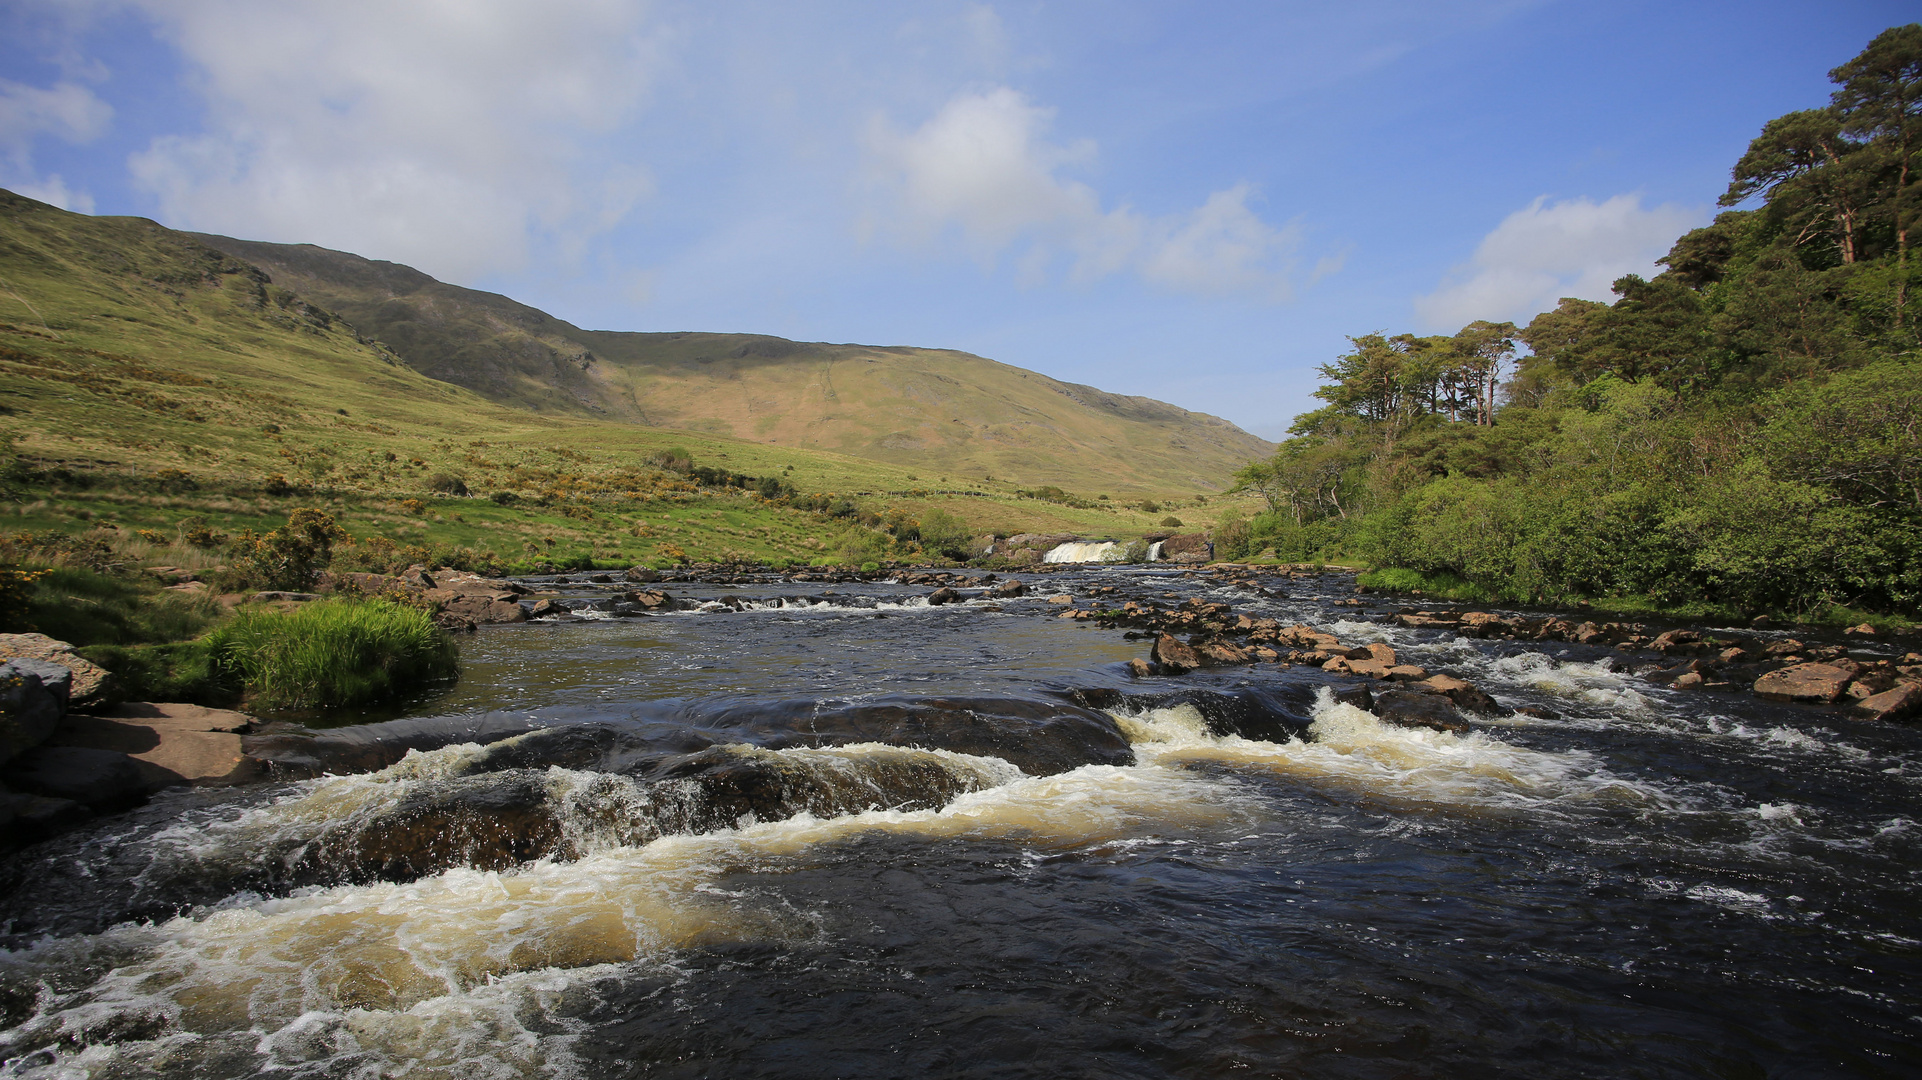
[{"x": 965, "y": 874}]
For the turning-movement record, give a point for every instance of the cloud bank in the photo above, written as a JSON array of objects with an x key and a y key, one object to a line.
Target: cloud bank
[
  {"x": 67, "y": 111},
  {"x": 1546, "y": 251},
  {"x": 984, "y": 171},
  {"x": 451, "y": 134}
]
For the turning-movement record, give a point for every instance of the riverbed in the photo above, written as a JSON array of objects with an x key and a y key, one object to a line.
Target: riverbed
[{"x": 974, "y": 845}]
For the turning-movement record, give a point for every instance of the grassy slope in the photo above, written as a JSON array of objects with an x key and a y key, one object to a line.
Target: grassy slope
[
  {"x": 126, "y": 349},
  {"x": 935, "y": 411}
]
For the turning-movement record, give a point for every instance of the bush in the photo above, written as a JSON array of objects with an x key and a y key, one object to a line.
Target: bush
[
  {"x": 945, "y": 535},
  {"x": 333, "y": 653},
  {"x": 446, "y": 484},
  {"x": 1171, "y": 522},
  {"x": 292, "y": 556}
]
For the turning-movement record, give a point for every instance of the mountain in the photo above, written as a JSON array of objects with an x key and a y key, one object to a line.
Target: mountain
[{"x": 939, "y": 411}]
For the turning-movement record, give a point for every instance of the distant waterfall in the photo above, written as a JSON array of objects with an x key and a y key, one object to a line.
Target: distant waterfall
[
  {"x": 1154, "y": 551},
  {"x": 1080, "y": 552}
]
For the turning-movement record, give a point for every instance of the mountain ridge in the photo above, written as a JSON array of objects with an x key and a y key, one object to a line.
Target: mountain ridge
[{"x": 937, "y": 409}]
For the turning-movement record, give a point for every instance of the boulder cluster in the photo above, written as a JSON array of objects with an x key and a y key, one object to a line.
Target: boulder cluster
[
  {"x": 1774, "y": 668},
  {"x": 67, "y": 752}
]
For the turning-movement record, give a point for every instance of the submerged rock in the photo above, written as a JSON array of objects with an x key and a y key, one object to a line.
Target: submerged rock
[{"x": 1411, "y": 708}]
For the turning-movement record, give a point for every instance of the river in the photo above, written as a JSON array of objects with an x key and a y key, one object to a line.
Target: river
[{"x": 952, "y": 863}]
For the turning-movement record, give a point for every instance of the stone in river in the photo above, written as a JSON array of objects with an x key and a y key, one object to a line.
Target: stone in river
[
  {"x": 1173, "y": 657},
  {"x": 943, "y": 595},
  {"x": 1462, "y": 692},
  {"x": 1904, "y": 702},
  {"x": 1409, "y": 708},
  {"x": 1805, "y": 682}
]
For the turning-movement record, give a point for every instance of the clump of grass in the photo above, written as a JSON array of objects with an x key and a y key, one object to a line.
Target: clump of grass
[
  {"x": 333, "y": 653},
  {"x": 83, "y": 606},
  {"x": 179, "y": 671}
]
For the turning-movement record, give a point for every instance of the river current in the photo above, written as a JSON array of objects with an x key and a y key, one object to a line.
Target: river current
[{"x": 830, "y": 831}]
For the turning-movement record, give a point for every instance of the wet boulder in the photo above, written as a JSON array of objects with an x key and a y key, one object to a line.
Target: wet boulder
[
  {"x": 1805, "y": 682},
  {"x": 1008, "y": 590},
  {"x": 479, "y": 607},
  {"x": 1410, "y": 708},
  {"x": 719, "y": 787},
  {"x": 643, "y": 575},
  {"x": 944, "y": 595},
  {"x": 1040, "y": 738},
  {"x": 1902, "y": 702},
  {"x": 1464, "y": 694},
  {"x": 488, "y": 822},
  {"x": 1173, "y": 657}
]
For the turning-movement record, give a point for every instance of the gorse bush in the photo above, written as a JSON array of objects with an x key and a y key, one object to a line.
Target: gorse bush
[{"x": 333, "y": 653}]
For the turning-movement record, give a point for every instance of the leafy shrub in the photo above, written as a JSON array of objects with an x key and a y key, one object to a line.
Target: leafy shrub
[
  {"x": 292, "y": 556},
  {"x": 504, "y": 498},
  {"x": 333, "y": 653},
  {"x": 1171, "y": 522},
  {"x": 945, "y": 535},
  {"x": 446, "y": 484}
]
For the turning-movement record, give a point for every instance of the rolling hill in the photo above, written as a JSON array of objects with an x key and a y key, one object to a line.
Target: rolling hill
[{"x": 937, "y": 411}]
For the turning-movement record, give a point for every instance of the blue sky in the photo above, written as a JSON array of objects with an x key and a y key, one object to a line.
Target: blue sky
[{"x": 1195, "y": 202}]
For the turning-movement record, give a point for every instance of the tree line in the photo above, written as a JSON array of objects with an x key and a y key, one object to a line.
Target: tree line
[{"x": 1743, "y": 429}]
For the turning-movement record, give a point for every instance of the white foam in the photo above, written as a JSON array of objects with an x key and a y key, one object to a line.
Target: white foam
[
  {"x": 446, "y": 975},
  {"x": 1354, "y": 749}
]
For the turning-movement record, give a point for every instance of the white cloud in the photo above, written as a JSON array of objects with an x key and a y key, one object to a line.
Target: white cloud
[
  {"x": 984, "y": 169},
  {"x": 1546, "y": 251},
  {"x": 66, "y": 111},
  {"x": 450, "y": 134},
  {"x": 54, "y": 191}
]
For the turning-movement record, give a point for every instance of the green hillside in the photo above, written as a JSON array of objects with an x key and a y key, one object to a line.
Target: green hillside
[
  {"x": 927, "y": 409},
  {"x": 151, "y": 385}
]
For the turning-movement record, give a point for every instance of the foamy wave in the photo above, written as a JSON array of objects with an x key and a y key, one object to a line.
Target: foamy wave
[
  {"x": 456, "y": 974},
  {"x": 1354, "y": 749}
]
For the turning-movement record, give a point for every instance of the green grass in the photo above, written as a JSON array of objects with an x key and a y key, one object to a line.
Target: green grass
[
  {"x": 333, "y": 653},
  {"x": 179, "y": 671},
  {"x": 126, "y": 347},
  {"x": 83, "y": 606},
  {"x": 1442, "y": 586}
]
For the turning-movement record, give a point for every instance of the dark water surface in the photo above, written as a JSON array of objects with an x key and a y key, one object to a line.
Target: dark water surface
[{"x": 1655, "y": 884}]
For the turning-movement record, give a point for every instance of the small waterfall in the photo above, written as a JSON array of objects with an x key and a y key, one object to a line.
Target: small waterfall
[
  {"x": 1080, "y": 552},
  {"x": 1154, "y": 551}
]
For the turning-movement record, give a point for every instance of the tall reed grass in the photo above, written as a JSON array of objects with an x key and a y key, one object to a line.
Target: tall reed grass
[{"x": 334, "y": 653}]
